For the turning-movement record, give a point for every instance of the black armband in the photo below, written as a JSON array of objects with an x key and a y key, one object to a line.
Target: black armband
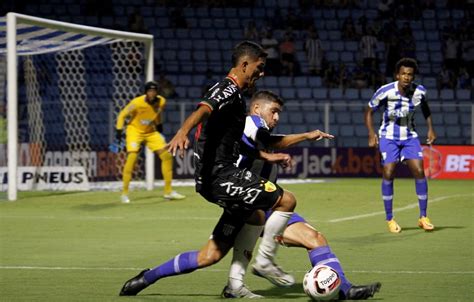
[
  {"x": 159, "y": 128},
  {"x": 425, "y": 109}
]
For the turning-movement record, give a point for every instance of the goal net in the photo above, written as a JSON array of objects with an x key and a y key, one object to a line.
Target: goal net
[{"x": 66, "y": 88}]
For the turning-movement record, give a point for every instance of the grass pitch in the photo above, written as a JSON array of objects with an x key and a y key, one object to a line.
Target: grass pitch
[{"x": 83, "y": 246}]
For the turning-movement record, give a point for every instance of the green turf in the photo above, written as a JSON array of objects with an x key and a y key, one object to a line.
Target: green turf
[{"x": 83, "y": 246}]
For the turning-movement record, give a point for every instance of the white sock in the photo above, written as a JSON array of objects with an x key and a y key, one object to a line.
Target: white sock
[
  {"x": 243, "y": 248},
  {"x": 274, "y": 226}
]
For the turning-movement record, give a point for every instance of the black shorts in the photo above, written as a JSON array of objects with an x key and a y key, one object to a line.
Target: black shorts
[{"x": 240, "y": 190}]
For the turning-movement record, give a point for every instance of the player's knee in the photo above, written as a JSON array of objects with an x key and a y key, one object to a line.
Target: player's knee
[
  {"x": 165, "y": 155},
  {"x": 287, "y": 202},
  {"x": 209, "y": 258},
  {"x": 314, "y": 239}
]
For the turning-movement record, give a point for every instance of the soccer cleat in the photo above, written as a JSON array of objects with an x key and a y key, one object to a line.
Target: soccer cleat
[
  {"x": 241, "y": 292},
  {"x": 135, "y": 285},
  {"x": 425, "y": 223},
  {"x": 393, "y": 226},
  {"x": 360, "y": 292},
  {"x": 274, "y": 274},
  {"x": 174, "y": 196},
  {"x": 124, "y": 198}
]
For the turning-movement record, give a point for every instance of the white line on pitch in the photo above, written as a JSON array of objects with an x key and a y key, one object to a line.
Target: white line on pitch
[
  {"x": 410, "y": 206},
  {"x": 52, "y": 268}
]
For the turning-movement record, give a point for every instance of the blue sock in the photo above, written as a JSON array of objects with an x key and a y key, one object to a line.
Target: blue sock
[
  {"x": 324, "y": 255},
  {"x": 421, "y": 187},
  {"x": 387, "y": 196},
  {"x": 181, "y": 264}
]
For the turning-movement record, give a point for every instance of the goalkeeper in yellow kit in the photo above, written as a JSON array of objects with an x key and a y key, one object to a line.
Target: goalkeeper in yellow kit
[{"x": 145, "y": 127}]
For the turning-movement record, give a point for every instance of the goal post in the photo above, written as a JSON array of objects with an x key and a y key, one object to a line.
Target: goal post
[{"x": 28, "y": 37}]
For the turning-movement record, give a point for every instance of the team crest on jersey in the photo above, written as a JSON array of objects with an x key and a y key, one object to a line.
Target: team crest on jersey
[{"x": 269, "y": 186}]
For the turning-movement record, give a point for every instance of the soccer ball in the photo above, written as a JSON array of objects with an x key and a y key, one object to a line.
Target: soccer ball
[{"x": 322, "y": 283}]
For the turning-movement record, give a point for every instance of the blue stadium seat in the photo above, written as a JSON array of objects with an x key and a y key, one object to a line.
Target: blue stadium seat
[
  {"x": 337, "y": 45},
  {"x": 351, "y": 46},
  {"x": 446, "y": 94},
  {"x": 343, "y": 118},
  {"x": 451, "y": 118},
  {"x": 194, "y": 92},
  {"x": 332, "y": 56},
  {"x": 429, "y": 82},
  {"x": 184, "y": 80},
  {"x": 270, "y": 81},
  {"x": 199, "y": 55},
  {"x": 335, "y": 93},
  {"x": 314, "y": 82},
  {"x": 361, "y": 131},
  {"x": 284, "y": 81},
  {"x": 195, "y": 33},
  {"x": 304, "y": 93},
  {"x": 181, "y": 91},
  {"x": 283, "y": 129},
  {"x": 301, "y": 81},
  {"x": 288, "y": 93},
  {"x": 311, "y": 117},
  {"x": 351, "y": 94},
  {"x": 347, "y": 57},
  {"x": 295, "y": 117},
  {"x": 184, "y": 55},
  {"x": 463, "y": 95},
  {"x": 320, "y": 93},
  {"x": 346, "y": 130},
  {"x": 428, "y": 14}
]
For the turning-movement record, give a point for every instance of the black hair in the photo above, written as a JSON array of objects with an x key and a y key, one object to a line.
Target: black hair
[
  {"x": 248, "y": 48},
  {"x": 267, "y": 95},
  {"x": 406, "y": 62},
  {"x": 151, "y": 85}
]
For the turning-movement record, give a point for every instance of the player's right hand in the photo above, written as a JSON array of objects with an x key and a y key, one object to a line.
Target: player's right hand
[
  {"x": 178, "y": 143},
  {"x": 373, "y": 140}
]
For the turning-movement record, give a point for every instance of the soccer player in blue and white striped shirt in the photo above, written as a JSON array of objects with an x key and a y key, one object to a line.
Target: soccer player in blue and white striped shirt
[{"x": 397, "y": 138}]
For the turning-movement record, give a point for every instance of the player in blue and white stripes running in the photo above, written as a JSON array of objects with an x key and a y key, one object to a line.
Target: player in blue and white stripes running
[{"x": 397, "y": 138}]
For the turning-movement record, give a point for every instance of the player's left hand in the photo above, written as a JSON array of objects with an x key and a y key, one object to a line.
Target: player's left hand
[
  {"x": 431, "y": 137},
  {"x": 178, "y": 143},
  {"x": 317, "y": 135}
]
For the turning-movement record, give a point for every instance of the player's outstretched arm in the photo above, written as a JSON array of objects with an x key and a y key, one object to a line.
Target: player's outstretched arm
[
  {"x": 285, "y": 141},
  {"x": 369, "y": 121},
  {"x": 180, "y": 141}
]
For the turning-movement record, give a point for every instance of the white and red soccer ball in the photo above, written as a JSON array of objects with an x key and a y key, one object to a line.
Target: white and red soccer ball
[{"x": 322, "y": 283}]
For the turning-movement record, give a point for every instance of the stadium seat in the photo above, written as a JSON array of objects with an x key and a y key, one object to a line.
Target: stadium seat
[
  {"x": 335, "y": 93},
  {"x": 451, "y": 118},
  {"x": 463, "y": 95},
  {"x": 288, "y": 93},
  {"x": 446, "y": 94},
  {"x": 301, "y": 81},
  {"x": 284, "y": 81},
  {"x": 351, "y": 94},
  {"x": 343, "y": 118},
  {"x": 295, "y": 117},
  {"x": 304, "y": 93},
  {"x": 347, "y": 130},
  {"x": 314, "y": 82},
  {"x": 270, "y": 81},
  {"x": 311, "y": 117},
  {"x": 320, "y": 93},
  {"x": 347, "y": 56}
]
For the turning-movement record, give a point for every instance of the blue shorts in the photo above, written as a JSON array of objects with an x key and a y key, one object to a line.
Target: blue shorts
[
  {"x": 394, "y": 151},
  {"x": 295, "y": 217}
]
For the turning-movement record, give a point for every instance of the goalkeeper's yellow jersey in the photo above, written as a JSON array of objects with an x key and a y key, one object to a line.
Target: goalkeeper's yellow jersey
[{"x": 143, "y": 116}]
